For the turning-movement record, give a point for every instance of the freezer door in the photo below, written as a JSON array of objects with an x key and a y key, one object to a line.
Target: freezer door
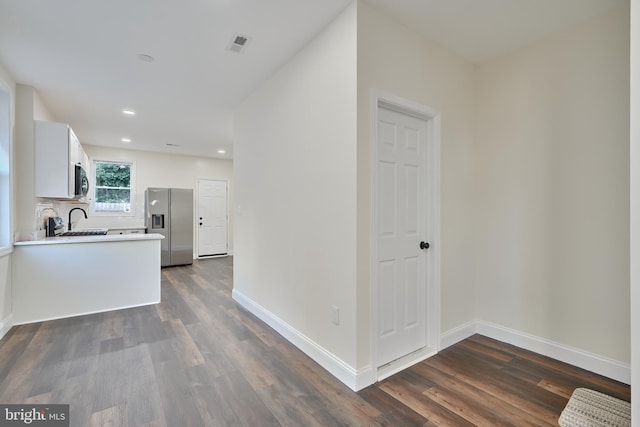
[
  {"x": 157, "y": 219},
  {"x": 181, "y": 226}
]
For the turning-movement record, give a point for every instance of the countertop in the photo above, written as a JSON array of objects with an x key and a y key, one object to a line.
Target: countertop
[{"x": 90, "y": 239}]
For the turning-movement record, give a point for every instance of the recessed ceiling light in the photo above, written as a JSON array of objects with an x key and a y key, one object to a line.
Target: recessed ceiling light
[
  {"x": 128, "y": 112},
  {"x": 126, "y": 140},
  {"x": 146, "y": 58},
  {"x": 222, "y": 151}
]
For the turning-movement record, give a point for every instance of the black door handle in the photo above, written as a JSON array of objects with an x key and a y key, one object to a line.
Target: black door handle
[
  {"x": 200, "y": 223},
  {"x": 424, "y": 245}
]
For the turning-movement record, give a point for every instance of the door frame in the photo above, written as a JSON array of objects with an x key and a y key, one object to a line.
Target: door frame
[
  {"x": 433, "y": 264},
  {"x": 197, "y": 215}
]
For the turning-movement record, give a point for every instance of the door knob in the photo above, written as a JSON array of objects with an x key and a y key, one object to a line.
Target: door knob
[
  {"x": 200, "y": 223},
  {"x": 424, "y": 245}
]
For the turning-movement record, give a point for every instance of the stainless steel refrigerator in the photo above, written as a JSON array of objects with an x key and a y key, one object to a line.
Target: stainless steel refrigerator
[{"x": 169, "y": 211}]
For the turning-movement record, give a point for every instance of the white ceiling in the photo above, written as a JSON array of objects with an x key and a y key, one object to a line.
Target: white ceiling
[{"x": 82, "y": 56}]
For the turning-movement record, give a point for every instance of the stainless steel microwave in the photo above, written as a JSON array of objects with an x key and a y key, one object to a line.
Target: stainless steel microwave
[{"x": 81, "y": 188}]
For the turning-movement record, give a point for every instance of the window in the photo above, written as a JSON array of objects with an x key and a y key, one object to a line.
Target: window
[
  {"x": 114, "y": 190},
  {"x": 5, "y": 168}
]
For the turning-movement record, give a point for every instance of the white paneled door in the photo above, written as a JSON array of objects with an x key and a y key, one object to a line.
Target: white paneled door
[
  {"x": 212, "y": 222},
  {"x": 402, "y": 244}
]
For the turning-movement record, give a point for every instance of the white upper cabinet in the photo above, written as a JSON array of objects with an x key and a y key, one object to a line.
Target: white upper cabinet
[{"x": 57, "y": 153}]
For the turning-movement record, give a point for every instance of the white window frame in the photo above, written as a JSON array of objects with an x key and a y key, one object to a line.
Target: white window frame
[
  {"x": 132, "y": 188},
  {"x": 6, "y": 191}
]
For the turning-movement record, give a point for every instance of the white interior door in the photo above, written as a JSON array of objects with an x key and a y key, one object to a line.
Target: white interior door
[
  {"x": 212, "y": 217},
  {"x": 401, "y": 227}
]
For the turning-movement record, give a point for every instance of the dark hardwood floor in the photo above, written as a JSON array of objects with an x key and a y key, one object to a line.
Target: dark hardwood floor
[{"x": 198, "y": 359}]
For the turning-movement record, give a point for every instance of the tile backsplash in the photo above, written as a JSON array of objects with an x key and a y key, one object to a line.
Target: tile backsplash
[{"x": 47, "y": 208}]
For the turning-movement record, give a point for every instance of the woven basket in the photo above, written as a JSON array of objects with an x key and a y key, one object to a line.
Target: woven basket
[{"x": 588, "y": 408}]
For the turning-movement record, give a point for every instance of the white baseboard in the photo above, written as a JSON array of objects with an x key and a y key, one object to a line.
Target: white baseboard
[
  {"x": 601, "y": 365},
  {"x": 359, "y": 379},
  {"x": 22, "y": 321},
  {"x": 457, "y": 334},
  {"x": 5, "y": 325},
  {"x": 352, "y": 378}
]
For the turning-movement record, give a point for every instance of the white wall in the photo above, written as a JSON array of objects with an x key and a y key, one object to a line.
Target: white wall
[
  {"x": 635, "y": 210},
  {"x": 29, "y": 107},
  {"x": 159, "y": 170},
  {"x": 24, "y": 163},
  {"x": 295, "y": 177},
  {"x": 552, "y": 187},
  {"x": 393, "y": 59}
]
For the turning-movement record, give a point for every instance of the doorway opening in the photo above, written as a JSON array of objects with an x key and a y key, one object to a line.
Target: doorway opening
[{"x": 212, "y": 222}]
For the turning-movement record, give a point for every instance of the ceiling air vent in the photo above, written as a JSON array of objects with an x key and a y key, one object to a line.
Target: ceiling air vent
[{"x": 238, "y": 43}]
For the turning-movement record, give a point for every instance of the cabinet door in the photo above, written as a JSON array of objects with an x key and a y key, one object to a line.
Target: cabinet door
[
  {"x": 84, "y": 160},
  {"x": 54, "y": 171},
  {"x": 74, "y": 148},
  {"x": 75, "y": 158},
  {"x": 57, "y": 152}
]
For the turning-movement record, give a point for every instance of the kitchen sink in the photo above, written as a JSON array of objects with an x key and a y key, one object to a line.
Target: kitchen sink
[{"x": 84, "y": 233}]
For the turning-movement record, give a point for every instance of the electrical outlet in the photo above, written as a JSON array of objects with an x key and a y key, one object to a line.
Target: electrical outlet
[{"x": 335, "y": 315}]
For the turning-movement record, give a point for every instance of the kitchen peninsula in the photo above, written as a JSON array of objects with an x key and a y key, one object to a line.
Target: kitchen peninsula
[{"x": 60, "y": 277}]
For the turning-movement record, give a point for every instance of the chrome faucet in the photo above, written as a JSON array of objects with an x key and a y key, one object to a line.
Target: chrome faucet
[{"x": 83, "y": 211}]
